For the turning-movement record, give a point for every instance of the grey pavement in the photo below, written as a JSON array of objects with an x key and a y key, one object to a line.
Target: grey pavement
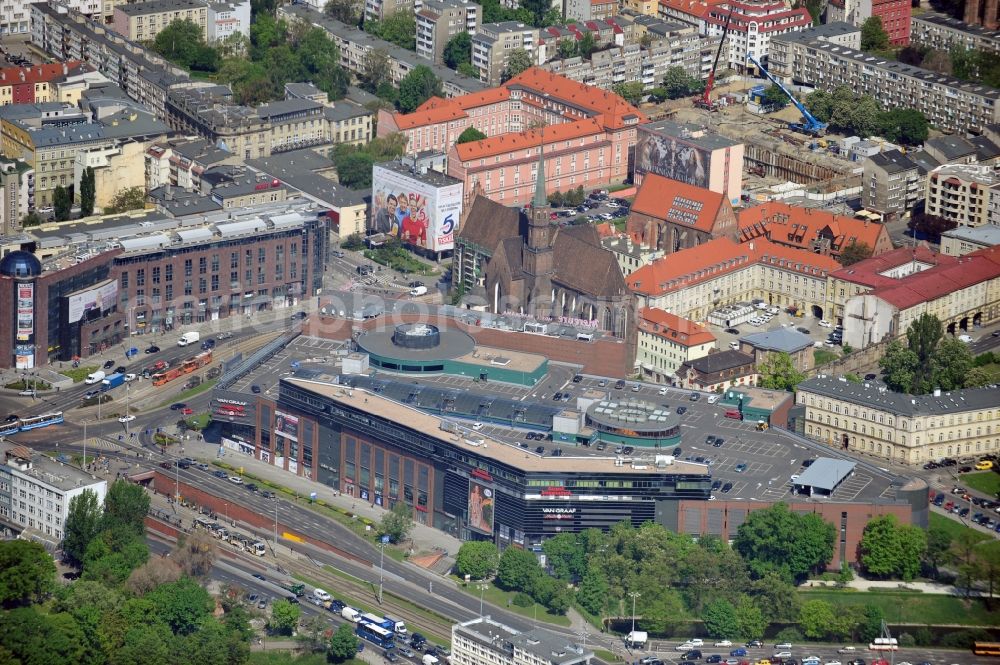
[
  {"x": 925, "y": 587},
  {"x": 424, "y": 538}
]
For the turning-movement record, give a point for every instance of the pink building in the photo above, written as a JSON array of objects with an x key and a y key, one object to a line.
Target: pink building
[{"x": 587, "y": 133}]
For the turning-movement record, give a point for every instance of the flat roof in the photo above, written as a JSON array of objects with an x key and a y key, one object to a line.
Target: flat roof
[
  {"x": 987, "y": 234},
  {"x": 429, "y": 425},
  {"x": 47, "y": 470},
  {"x": 430, "y": 176},
  {"x": 686, "y": 132},
  {"x": 826, "y": 473},
  {"x": 877, "y": 396},
  {"x": 634, "y": 414},
  {"x": 452, "y": 344},
  {"x": 159, "y": 6}
]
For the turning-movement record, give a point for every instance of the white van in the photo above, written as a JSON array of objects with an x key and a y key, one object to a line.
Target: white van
[
  {"x": 188, "y": 338},
  {"x": 94, "y": 377},
  {"x": 418, "y": 291},
  {"x": 321, "y": 595}
]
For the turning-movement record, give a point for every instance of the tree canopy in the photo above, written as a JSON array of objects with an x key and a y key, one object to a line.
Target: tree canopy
[
  {"x": 852, "y": 113},
  {"x": 929, "y": 359},
  {"x": 419, "y": 85},
  {"x": 133, "y": 198},
  {"x": 854, "y": 252},
  {"x": 777, "y": 371},
  {"x": 873, "y": 35},
  {"x": 397, "y": 523},
  {"x": 87, "y": 192},
  {"x": 83, "y": 522},
  {"x": 62, "y": 203},
  {"x": 478, "y": 559},
  {"x": 678, "y": 83},
  {"x": 470, "y": 134},
  {"x": 343, "y": 644},
  {"x": 518, "y": 60},
  {"x": 399, "y": 28},
  {"x": 891, "y": 549},
  {"x": 27, "y": 572},
  {"x": 458, "y": 50},
  {"x": 777, "y": 540}
]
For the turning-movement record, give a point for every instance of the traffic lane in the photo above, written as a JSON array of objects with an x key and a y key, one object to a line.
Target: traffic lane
[{"x": 826, "y": 653}]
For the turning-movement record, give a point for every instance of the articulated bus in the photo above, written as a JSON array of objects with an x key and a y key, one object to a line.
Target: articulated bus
[
  {"x": 884, "y": 644},
  {"x": 43, "y": 420},
  {"x": 986, "y": 648},
  {"x": 375, "y": 634},
  {"x": 374, "y": 620}
]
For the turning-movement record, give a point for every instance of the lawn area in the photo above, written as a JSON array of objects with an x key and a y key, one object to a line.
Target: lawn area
[
  {"x": 912, "y": 607},
  {"x": 199, "y": 421},
  {"x": 502, "y": 598},
  {"x": 994, "y": 371},
  {"x": 187, "y": 394},
  {"x": 987, "y": 482},
  {"x": 79, "y": 373},
  {"x": 399, "y": 259},
  {"x": 953, "y": 527},
  {"x": 822, "y": 356}
]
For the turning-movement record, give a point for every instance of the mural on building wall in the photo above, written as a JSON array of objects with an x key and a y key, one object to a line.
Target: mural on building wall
[{"x": 672, "y": 158}]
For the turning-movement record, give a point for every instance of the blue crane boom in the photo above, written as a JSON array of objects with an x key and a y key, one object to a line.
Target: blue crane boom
[{"x": 810, "y": 125}]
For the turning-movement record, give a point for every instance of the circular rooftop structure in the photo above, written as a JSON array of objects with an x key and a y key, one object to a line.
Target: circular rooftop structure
[
  {"x": 635, "y": 422},
  {"x": 417, "y": 336},
  {"x": 415, "y": 348},
  {"x": 20, "y": 264}
]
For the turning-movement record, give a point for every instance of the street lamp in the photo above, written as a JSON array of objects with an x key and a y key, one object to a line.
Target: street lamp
[
  {"x": 381, "y": 560},
  {"x": 482, "y": 592},
  {"x": 275, "y": 525},
  {"x": 634, "y": 595}
]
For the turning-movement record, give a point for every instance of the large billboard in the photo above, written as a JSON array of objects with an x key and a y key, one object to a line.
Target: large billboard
[
  {"x": 286, "y": 425},
  {"x": 672, "y": 157},
  {"x": 25, "y": 311},
  {"x": 416, "y": 212},
  {"x": 101, "y": 297},
  {"x": 481, "y": 502}
]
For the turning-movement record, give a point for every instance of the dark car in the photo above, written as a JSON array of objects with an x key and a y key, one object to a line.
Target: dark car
[
  {"x": 120, "y": 369},
  {"x": 390, "y": 656},
  {"x": 414, "y": 285},
  {"x": 11, "y": 418},
  {"x": 540, "y": 450},
  {"x": 710, "y": 439},
  {"x": 251, "y": 487},
  {"x": 619, "y": 384},
  {"x": 177, "y": 406},
  {"x": 557, "y": 397},
  {"x": 255, "y": 389},
  {"x": 166, "y": 465},
  {"x": 577, "y": 379},
  {"x": 259, "y": 577},
  {"x": 628, "y": 450},
  {"x": 807, "y": 463},
  {"x": 964, "y": 512},
  {"x": 714, "y": 658},
  {"x": 738, "y": 653},
  {"x": 694, "y": 397},
  {"x": 336, "y": 605},
  {"x": 108, "y": 364},
  {"x": 716, "y": 485},
  {"x": 220, "y": 474},
  {"x": 856, "y": 661},
  {"x": 694, "y": 654},
  {"x": 732, "y": 331},
  {"x": 681, "y": 410},
  {"x": 754, "y": 644},
  {"x": 718, "y": 442},
  {"x": 152, "y": 349},
  {"x": 726, "y": 488},
  {"x": 417, "y": 640},
  {"x": 677, "y": 451},
  {"x": 208, "y": 344}
]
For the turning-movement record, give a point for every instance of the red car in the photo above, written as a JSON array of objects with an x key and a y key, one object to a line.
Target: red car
[
  {"x": 949, "y": 505},
  {"x": 186, "y": 411}
]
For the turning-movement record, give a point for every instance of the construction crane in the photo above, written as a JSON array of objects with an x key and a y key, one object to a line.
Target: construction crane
[
  {"x": 706, "y": 98},
  {"x": 809, "y": 124}
]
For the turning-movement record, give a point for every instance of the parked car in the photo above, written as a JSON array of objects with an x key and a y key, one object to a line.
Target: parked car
[{"x": 108, "y": 364}]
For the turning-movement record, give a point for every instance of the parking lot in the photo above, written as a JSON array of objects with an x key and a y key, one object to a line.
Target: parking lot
[{"x": 302, "y": 350}]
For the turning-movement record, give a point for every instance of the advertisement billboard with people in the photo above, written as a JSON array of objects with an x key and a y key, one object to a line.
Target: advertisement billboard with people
[
  {"x": 481, "y": 502},
  {"x": 97, "y": 299},
  {"x": 286, "y": 426},
  {"x": 417, "y": 212},
  {"x": 673, "y": 158}
]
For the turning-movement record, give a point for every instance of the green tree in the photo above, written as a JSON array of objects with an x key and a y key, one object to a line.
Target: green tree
[
  {"x": 478, "y": 559},
  {"x": 873, "y": 36},
  {"x": 182, "y": 605},
  {"x": 376, "y": 70},
  {"x": 820, "y": 104},
  {"x": 870, "y": 625},
  {"x": 977, "y": 377},
  {"x": 417, "y": 87},
  {"x": 470, "y": 134},
  {"x": 399, "y": 28},
  {"x": 467, "y": 69},
  {"x": 988, "y": 557},
  {"x": 899, "y": 366},
  {"x": 593, "y": 592},
  {"x": 345, "y": 11},
  {"x": 568, "y": 48},
  {"x": 816, "y": 618},
  {"x": 775, "y": 97},
  {"x": 518, "y": 61},
  {"x": 539, "y": 10},
  {"x": 397, "y": 523},
  {"x": 31, "y": 219},
  {"x": 284, "y": 617},
  {"x": 950, "y": 364},
  {"x": 27, "y": 572},
  {"x": 906, "y": 126},
  {"x": 354, "y": 170},
  {"x": 854, "y": 252},
  {"x": 750, "y": 619},
  {"x": 678, "y": 83},
  {"x": 721, "y": 620},
  {"x": 458, "y": 50},
  {"x": 62, "y": 203},
  {"x": 586, "y": 45},
  {"x": 778, "y": 373},
  {"x": 87, "y": 192},
  {"x": 83, "y": 522},
  {"x": 891, "y": 549},
  {"x": 126, "y": 505},
  {"x": 631, "y": 92},
  {"x": 29, "y": 636},
  {"x": 566, "y": 557},
  {"x": 778, "y": 598},
  {"x": 113, "y": 554},
  {"x": 517, "y": 570},
  {"x": 777, "y": 540},
  {"x": 133, "y": 198},
  {"x": 183, "y": 43},
  {"x": 343, "y": 644},
  {"x": 922, "y": 337},
  {"x": 938, "y": 545},
  {"x": 661, "y": 608}
]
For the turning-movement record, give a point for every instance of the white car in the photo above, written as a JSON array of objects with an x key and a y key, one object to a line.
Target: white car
[
  {"x": 27, "y": 393},
  {"x": 236, "y": 480},
  {"x": 477, "y": 426},
  {"x": 784, "y": 646},
  {"x": 724, "y": 643},
  {"x": 697, "y": 642},
  {"x": 965, "y": 338},
  {"x": 774, "y": 310},
  {"x": 130, "y": 377},
  {"x": 687, "y": 646},
  {"x": 662, "y": 391},
  {"x": 846, "y": 650},
  {"x": 825, "y": 324},
  {"x": 126, "y": 419},
  {"x": 782, "y": 654},
  {"x": 832, "y": 662}
]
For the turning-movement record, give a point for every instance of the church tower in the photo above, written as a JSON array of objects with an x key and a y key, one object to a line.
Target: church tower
[{"x": 537, "y": 256}]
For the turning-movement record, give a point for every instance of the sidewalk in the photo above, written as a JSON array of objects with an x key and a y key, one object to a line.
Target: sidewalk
[
  {"x": 425, "y": 538},
  {"x": 925, "y": 587}
]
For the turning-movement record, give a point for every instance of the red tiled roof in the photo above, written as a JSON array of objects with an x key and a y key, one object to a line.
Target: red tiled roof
[
  {"x": 36, "y": 73},
  {"x": 436, "y": 109},
  {"x": 941, "y": 280},
  {"x": 790, "y": 225},
  {"x": 673, "y": 328},
  {"x": 697, "y": 8},
  {"x": 503, "y": 143},
  {"x": 868, "y": 272},
  {"x": 605, "y": 230},
  {"x": 663, "y": 198},
  {"x": 720, "y": 256}
]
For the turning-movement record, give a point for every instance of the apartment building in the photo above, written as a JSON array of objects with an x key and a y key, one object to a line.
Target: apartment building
[
  {"x": 895, "y": 15},
  {"x": 17, "y": 187},
  {"x": 693, "y": 282},
  {"x": 906, "y": 429},
  {"x": 667, "y": 341},
  {"x": 892, "y": 184},
  {"x": 811, "y": 229},
  {"x": 630, "y": 255},
  {"x": 484, "y": 641},
  {"x": 962, "y": 193},
  {"x": 942, "y": 32},
  {"x": 494, "y": 42},
  {"x": 378, "y": 10},
  {"x": 52, "y": 150},
  {"x": 962, "y": 292},
  {"x": 225, "y": 19},
  {"x": 967, "y": 239},
  {"x": 180, "y": 162},
  {"x": 36, "y": 490},
  {"x": 752, "y": 25},
  {"x": 142, "y": 21},
  {"x": 142, "y": 75},
  {"x": 948, "y": 103},
  {"x": 15, "y": 17},
  {"x": 35, "y": 84},
  {"x": 982, "y": 12},
  {"x": 600, "y": 9},
  {"x": 440, "y": 20},
  {"x": 354, "y": 45}
]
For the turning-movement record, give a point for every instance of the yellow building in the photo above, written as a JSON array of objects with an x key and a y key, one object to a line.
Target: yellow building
[
  {"x": 666, "y": 341},
  {"x": 906, "y": 429},
  {"x": 142, "y": 21}
]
